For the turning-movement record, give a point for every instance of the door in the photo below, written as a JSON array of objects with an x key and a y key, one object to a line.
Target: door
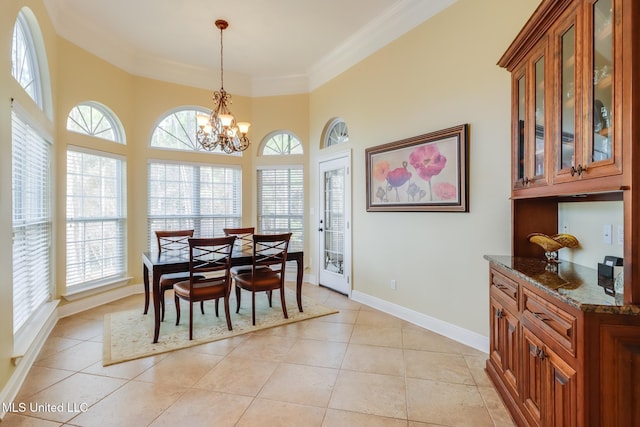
[{"x": 334, "y": 223}]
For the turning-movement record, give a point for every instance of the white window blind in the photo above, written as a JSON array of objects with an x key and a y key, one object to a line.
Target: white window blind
[
  {"x": 281, "y": 203},
  {"x": 189, "y": 196},
  {"x": 96, "y": 218},
  {"x": 32, "y": 228}
]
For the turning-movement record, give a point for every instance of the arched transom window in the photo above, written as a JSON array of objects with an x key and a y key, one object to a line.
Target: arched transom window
[
  {"x": 281, "y": 143},
  {"x": 177, "y": 131},
  {"x": 24, "y": 61},
  {"x": 93, "y": 119}
]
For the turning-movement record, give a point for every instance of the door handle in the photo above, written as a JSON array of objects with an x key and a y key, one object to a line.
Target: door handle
[{"x": 320, "y": 229}]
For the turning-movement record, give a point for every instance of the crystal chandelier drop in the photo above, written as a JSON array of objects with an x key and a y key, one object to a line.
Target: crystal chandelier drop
[{"x": 221, "y": 129}]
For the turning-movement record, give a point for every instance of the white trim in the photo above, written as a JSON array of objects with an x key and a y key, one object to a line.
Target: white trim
[
  {"x": 188, "y": 163},
  {"x": 449, "y": 330},
  {"x": 96, "y": 300},
  {"x": 27, "y": 346},
  {"x": 95, "y": 152},
  {"x": 399, "y": 19},
  {"x": 87, "y": 289}
]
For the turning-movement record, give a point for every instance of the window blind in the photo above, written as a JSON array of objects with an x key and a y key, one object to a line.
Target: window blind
[
  {"x": 281, "y": 203},
  {"x": 190, "y": 196},
  {"x": 96, "y": 218},
  {"x": 31, "y": 220}
]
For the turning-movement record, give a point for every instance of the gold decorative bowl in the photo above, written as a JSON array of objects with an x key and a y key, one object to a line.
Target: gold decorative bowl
[{"x": 551, "y": 244}]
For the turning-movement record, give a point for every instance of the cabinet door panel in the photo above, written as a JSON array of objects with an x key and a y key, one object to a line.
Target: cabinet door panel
[
  {"x": 532, "y": 382},
  {"x": 561, "y": 402}
]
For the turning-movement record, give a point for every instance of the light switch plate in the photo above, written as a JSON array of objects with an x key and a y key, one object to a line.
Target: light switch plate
[{"x": 607, "y": 234}]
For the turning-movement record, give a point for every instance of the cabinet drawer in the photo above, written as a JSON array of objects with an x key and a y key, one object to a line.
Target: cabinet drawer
[
  {"x": 561, "y": 326},
  {"x": 504, "y": 286}
]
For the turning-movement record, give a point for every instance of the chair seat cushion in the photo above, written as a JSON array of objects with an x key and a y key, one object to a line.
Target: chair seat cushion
[
  {"x": 242, "y": 269},
  {"x": 204, "y": 290},
  {"x": 168, "y": 280},
  {"x": 264, "y": 280}
]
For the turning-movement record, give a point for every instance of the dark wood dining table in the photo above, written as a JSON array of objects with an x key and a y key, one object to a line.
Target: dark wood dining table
[{"x": 165, "y": 262}]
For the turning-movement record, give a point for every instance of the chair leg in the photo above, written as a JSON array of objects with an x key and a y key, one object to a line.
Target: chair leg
[
  {"x": 217, "y": 306},
  {"x": 226, "y": 311},
  {"x": 269, "y": 293},
  {"x": 177, "y": 300},
  {"x": 202, "y": 307},
  {"x": 253, "y": 307},
  {"x": 190, "y": 320},
  {"x": 284, "y": 303},
  {"x": 162, "y": 305},
  {"x": 237, "y": 299}
]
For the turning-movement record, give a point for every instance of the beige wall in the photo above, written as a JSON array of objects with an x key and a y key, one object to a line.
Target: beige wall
[{"x": 441, "y": 74}]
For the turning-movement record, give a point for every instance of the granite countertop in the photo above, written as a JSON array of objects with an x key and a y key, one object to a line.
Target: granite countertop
[{"x": 574, "y": 284}]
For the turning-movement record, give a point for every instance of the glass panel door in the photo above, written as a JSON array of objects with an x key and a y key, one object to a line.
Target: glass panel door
[
  {"x": 602, "y": 78},
  {"x": 538, "y": 158},
  {"x": 334, "y": 220}
]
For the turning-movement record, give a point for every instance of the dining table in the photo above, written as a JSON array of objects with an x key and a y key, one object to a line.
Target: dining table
[{"x": 175, "y": 262}]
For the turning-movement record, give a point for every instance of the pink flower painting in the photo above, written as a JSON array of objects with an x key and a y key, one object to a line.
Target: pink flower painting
[
  {"x": 427, "y": 161},
  {"x": 381, "y": 170}
]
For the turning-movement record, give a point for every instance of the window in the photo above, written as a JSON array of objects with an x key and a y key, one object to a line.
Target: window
[
  {"x": 93, "y": 119},
  {"x": 281, "y": 143},
  {"x": 96, "y": 218},
  {"x": 31, "y": 220},
  {"x": 281, "y": 203},
  {"x": 24, "y": 61},
  {"x": 336, "y": 132},
  {"x": 177, "y": 131},
  {"x": 190, "y": 196}
]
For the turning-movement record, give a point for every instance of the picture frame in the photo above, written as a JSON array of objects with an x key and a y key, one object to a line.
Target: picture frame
[{"x": 425, "y": 173}]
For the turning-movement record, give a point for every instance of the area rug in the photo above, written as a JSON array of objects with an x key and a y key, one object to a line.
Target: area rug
[{"x": 128, "y": 334}]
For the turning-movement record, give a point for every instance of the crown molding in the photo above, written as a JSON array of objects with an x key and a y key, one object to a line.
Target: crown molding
[{"x": 396, "y": 21}]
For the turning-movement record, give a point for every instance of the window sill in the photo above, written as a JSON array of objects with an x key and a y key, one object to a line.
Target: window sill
[
  {"x": 83, "y": 291},
  {"x": 34, "y": 332}
]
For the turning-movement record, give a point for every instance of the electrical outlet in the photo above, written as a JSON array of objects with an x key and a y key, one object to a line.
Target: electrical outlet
[
  {"x": 565, "y": 228},
  {"x": 393, "y": 284},
  {"x": 607, "y": 234}
]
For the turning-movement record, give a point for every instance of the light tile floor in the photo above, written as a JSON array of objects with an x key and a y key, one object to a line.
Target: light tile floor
[{"x": 360, "y": 367}]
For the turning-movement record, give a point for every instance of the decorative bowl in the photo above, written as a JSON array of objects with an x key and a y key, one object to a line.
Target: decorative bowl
[{"x": 551, "y": 244}]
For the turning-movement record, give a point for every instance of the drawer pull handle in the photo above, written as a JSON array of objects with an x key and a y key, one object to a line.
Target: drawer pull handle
[{"x": 541, "y": 316}]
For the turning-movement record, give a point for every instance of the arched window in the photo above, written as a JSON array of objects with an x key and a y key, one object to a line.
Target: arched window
[
  {"x": 24, "y": 61},
  {"x": 177, "y": 131},
  {"x": 32, "y": 209},
  {"x": 335, "y": 132},
  {"x": 281, "y": 143},
  {"x": 94, "y": 119}
]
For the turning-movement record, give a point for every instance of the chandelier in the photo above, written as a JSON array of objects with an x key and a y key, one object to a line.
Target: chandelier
[{"x": 220, "y": 129}]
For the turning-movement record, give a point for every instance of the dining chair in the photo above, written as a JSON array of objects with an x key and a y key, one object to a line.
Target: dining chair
[
  {"x": 173, "y": 241},
  {"x": 267, "y": 270},
  {"x": 209, "y": 276},
  {"x": 244, "y": 243}
]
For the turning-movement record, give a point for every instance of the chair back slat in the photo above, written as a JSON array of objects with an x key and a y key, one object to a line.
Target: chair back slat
[
  {"x": 244, "y": 237},
  {"x": 174, "y": 240},
  {"x": 270, "y": 250}
]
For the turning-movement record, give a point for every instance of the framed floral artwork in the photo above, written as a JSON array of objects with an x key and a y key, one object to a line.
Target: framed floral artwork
[{"x": 424, "y": 173}]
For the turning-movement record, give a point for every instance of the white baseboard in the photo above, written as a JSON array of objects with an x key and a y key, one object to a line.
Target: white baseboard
[
  {"x": 456, "y": 333},
  {"x": 78, "y": 306}
]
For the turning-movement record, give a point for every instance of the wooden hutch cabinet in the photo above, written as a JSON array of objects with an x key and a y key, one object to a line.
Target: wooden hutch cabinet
[{"x": 563, "y": 352}]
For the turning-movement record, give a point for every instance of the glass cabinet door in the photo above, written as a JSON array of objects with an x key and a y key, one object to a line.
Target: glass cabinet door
[
  {"x": 538, "y": 146},
  {"x": 602, "y": 57},
  {"x": 521, "y": 130},
  {"x": 568, "y": 106}
]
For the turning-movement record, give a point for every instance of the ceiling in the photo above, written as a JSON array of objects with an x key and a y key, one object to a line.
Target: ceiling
[{"x": 271, "y": 47}]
